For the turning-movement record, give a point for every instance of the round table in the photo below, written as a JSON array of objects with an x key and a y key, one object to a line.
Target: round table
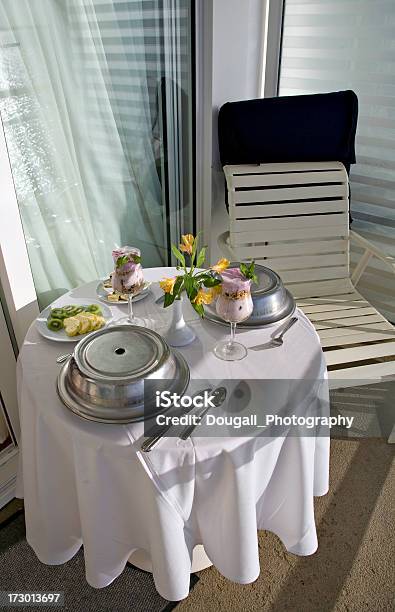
[{"x": 89, "y": 484}]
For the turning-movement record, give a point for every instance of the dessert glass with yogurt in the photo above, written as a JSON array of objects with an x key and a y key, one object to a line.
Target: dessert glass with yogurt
[
  {"x": 233, "y": 305},
  {"x": 128, "y": 278}
]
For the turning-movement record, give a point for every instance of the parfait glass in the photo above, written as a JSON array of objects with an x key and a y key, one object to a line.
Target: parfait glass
[
  {"x": 233, "y": 305},
  {"x": 128, "y": 279},
  {"x": 131, "y": 318}
]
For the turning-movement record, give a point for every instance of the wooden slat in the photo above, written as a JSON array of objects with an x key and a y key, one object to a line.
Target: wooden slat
[
  {"x": 367, "y": 372},
  {"x": 292, "y": 248},
  {"x": 334, "y": 307},
  {"x": 318, "y": 289},
  {"x": 349, "y": 322},
  {"x": 314, "y": 274},
  {"x": 308, "y": 261},
  {"x": 353, "y": 339},
  {"x": 295, "y": 193},
  {"x": 342, "y": 314},
  {"x": 383, "y": 327},
  {"x": 267, "y": 235},
  {"x": 288, "y": 178},
  {"x": 360, "y": 353},
  {"x": 283, "y": 209},
  {"x": 296, "y": 223},
  {"x": 283, "y": 167},
  {"x": 350, "y": 298}
]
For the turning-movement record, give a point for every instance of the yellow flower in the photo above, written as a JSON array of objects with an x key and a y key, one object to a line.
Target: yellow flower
[
  {"x": 221, "y": 265},
  {"x": 215, "y": 291},
  {"x": 187, "y": 243},
  {"x": 203, "y": 297},
  {"x": 167, "y": 285}
]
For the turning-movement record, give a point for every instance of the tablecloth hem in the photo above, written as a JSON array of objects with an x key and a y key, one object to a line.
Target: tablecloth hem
[
  {"x": 299, "y": 549},
  {"x": 237, "y": 579},
  {"x": 66, "y": 556},
  {"x": 58, "y": 559},
  {"x": 108, "y": 578},
  {"x": 321, "y": 492},
  {"x": 301, "y": 553}
]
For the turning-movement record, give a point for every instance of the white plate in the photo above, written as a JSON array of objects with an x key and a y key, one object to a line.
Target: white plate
[
  {"x": 61, "y": 336},
  {"x": 102, "y": 293}
]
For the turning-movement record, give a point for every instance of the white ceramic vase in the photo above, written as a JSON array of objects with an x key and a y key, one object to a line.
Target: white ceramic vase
[{"x": 179, "y": 333}]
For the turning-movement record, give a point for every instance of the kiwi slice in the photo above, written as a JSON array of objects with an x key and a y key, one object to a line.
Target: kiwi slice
[
  {"x": 94, "y": 309},
  {"x": 73, "y": 310},
  {"x": 70, "y": 309},
  {"x": 55, "y": 324},
  {"x": 58, "y": 313}
]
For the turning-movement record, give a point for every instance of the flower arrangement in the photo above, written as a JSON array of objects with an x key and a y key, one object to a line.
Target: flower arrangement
[{"x": 201, "y": 286}]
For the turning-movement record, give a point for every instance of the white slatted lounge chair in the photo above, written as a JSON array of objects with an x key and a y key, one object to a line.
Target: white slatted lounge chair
[{"x": 293, "y": 218}]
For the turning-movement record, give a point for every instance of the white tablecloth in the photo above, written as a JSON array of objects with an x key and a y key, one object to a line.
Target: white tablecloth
[{"x": 88, "y": 483}]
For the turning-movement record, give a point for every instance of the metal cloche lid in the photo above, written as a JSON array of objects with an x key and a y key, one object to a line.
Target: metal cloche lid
[
  {"x": 268, "y": 281},
  {"x": 117, "y": 353},
  {"x": 104, "y": 380}
]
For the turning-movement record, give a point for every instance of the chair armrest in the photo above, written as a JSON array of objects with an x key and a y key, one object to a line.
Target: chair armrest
[
  {"x": 224, "y": 247},
  {"x": 370, "y": 250}
]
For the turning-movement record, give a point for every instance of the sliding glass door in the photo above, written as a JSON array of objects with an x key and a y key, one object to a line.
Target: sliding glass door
[{"x": 96, "y": 99}]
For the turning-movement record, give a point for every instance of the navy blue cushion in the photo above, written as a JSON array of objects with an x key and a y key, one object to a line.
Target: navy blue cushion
[{"x": 318, "y": 127}]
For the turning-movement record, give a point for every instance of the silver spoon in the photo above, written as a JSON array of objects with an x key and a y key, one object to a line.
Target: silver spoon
[
  {"x": 278, "y": 340},
  {"x": 63, "y": 358}
]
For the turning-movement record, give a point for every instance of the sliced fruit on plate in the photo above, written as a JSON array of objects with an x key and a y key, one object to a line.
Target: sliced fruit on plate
[
  {"x": 98, "y": 322},
  {"x": 72, "y": 326},
  {"x": 113, "y": 297},
  {"x": 94, "y": 309},
  {"x": 58, "y": 313},
  {"x": 85, "y": 323},
  {"x": 54, "y": 324}
]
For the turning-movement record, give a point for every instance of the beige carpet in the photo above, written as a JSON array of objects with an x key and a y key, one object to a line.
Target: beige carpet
[{"x": 353, "y": 569}]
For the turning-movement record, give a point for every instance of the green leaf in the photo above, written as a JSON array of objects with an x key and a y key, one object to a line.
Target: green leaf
[
  {"x": 248, "y": 270},
  {"x": 193, "y": 291},
  {"x": 169, "y": 299},
  {"x": 178, "y": 285},
  {"x": 201, "y": 257},
  {"x": 211, "y": 282},
  {"x": 194, "y": 248},
  {"x": 210, "y": 279},
  {"x": 244, "y": 269},
  {"x": 178, "y": 254},
  {"x": 188, "y": 282},
  {"x": 122, "y": 260},
  {"x": 199, "y": 309}
]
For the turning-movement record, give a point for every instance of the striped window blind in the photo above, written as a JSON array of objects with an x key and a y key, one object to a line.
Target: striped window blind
[{"x": 329, "y": 45}]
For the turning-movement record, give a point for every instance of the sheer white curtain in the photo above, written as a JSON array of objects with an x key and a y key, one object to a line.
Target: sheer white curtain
[
  {"x": 85, "y": 172},
  {"x": 349, "y": 44}
]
